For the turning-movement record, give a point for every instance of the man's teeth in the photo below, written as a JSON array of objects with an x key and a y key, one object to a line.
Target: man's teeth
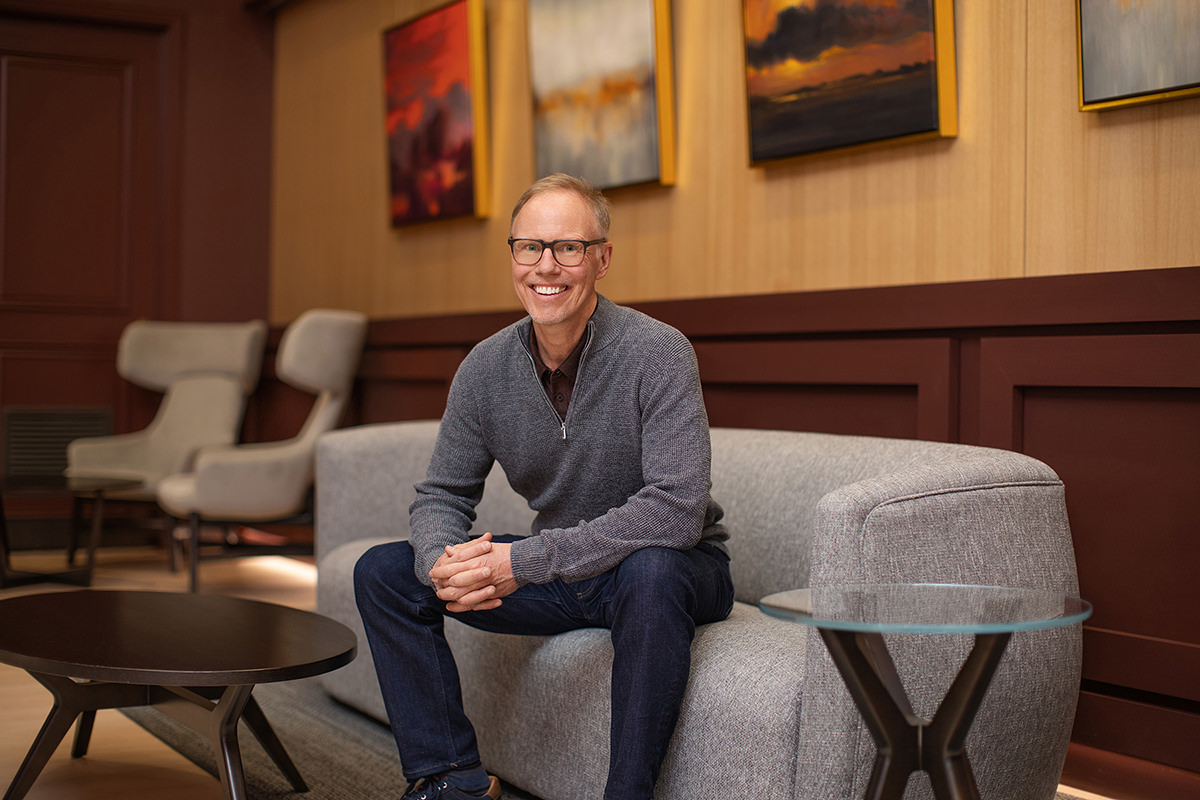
[{"x": 548, "y": 290}]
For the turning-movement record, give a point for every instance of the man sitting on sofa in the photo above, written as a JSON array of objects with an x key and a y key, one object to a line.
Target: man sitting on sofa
[{"x": 595, "y": 412}]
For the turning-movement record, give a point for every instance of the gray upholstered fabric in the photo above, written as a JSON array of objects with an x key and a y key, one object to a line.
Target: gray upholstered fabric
[
  {"x": 985, "y": 517},
  {"x": 766, "y": 714},
  {"x": 773, "y": 481},
  {"x": 384, "y": 462}
]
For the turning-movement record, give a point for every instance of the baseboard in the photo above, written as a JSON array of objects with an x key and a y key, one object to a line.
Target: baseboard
[{"x": 1125, "y": 778}]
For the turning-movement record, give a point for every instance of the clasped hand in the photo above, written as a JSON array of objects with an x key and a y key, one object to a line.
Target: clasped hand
[{"x": 474, "y": 575}]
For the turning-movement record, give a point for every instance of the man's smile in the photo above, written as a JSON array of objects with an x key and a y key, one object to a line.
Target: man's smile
[{"x": 548, "y": 291}]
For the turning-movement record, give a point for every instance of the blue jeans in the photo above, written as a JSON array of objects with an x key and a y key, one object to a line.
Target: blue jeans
[{"x": 651, "y": 602}]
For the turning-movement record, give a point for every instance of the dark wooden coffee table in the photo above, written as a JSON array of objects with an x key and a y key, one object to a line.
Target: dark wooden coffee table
[{"x": 117, "y": 649}]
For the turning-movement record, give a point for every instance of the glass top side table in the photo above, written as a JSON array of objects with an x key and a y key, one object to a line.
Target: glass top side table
[{"x": 852, "y": 620}]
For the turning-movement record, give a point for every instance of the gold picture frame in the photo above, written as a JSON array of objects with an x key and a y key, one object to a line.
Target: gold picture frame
[
  {"x": 1127, "y": 55},
  {"x": 437, "y": 126},
  {"x": 817, "y": 83}
]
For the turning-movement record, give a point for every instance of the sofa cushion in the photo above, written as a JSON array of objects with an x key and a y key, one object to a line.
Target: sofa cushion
[
  {"x": 540, "y": 706},
  {"x": 514, "y": 689}
]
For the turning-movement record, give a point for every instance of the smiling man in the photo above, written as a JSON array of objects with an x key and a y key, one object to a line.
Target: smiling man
[{"x": 595, "y": 412}]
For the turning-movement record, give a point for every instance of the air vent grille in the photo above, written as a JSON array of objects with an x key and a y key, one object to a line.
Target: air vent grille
[{"x": 35, "y": 439}]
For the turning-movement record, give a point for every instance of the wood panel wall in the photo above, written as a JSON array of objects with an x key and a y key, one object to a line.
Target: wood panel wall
[
  {"x": 1030, "y": 187},
  {"x": 135, "y": 182},
  {"x": 1097, "y": 375}
]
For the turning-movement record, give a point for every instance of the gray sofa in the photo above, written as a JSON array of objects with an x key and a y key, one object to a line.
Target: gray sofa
[{"x": 766, "y": 714}]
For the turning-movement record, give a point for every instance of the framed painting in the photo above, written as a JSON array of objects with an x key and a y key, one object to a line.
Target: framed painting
[
  {"x": 829, "y": 74},
  {"x": 605, "y": 113},
  {"x": 1136, "y": 51},
  {"x": 436, "y": 115}
]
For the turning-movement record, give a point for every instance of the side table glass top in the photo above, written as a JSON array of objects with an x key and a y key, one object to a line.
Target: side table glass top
[{"x": 927, "y": 608}]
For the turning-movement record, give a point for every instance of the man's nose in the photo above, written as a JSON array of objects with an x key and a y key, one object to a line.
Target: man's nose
[{"x": 547, "y": 263}]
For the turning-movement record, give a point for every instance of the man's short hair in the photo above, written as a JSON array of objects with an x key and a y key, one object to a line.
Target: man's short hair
[{"x": 601, "y": 207}]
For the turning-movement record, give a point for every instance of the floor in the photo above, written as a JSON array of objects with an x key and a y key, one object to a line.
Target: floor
[{"x": 123, "y": 760}]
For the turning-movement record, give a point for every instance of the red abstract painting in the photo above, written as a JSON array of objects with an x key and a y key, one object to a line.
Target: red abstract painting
[{"x": 432, "y": 131}]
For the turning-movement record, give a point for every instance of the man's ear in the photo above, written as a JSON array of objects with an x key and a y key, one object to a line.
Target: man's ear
[{"x": 605, "y": 258}]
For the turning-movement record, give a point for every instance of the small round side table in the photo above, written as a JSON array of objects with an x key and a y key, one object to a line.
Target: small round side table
[{"x": 852, "y": 620}]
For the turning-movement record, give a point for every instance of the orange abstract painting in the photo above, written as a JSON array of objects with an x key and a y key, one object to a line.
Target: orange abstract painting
[{"x": 823, "y": 74}]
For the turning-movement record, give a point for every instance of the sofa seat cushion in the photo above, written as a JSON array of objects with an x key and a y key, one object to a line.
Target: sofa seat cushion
[
  {"x": 743, "y": 699},
  {"x": 541, "y": 708},
  {"x": 354, "y": 684}
]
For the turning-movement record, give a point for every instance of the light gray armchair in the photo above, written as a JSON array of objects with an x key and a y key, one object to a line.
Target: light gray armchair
[
  {"x": 272, "y": 481},
  {"x": 205, "y": 371}
]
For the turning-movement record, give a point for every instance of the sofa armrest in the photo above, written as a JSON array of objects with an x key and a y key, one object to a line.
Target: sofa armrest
[
  {"x": 983, "y": 517},
  {"x": 987, "y": 517}
]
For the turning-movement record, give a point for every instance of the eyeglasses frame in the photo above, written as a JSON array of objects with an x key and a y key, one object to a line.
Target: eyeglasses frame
[{"x": 550, "y": 246}]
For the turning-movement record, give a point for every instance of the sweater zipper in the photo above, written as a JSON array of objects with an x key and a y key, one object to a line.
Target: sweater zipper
[
  {"x": 538, "y": 381},
  {"x": 582, "y": 358},
  {"x": 591, "y": 328}
]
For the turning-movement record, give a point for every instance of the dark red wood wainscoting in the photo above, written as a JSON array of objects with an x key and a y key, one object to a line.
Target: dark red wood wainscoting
[{"x": 1097, "y": 375}]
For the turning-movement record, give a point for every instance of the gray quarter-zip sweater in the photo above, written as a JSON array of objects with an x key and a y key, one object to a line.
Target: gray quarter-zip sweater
[{"x": 628, "y": 468}]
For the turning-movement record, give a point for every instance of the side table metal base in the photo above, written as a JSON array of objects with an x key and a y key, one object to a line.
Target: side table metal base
[
  {"x": 215, "y": 716},
  {"x": 907, "y": 743}
]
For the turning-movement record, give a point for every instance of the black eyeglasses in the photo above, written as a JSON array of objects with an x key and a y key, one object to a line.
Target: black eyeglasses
[{"x": 567, "y": 252}]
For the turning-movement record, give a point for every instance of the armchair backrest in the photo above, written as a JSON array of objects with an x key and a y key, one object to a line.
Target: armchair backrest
[
  {"x": 319, "y": 353},
  {"x": 156, "y": 354}
]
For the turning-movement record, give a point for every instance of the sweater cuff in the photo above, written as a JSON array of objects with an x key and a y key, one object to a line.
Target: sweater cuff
[{"x": 529, "y": 558}]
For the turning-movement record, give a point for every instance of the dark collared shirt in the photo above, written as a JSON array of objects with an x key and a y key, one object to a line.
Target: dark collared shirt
[{"x": 558, "y": 383}]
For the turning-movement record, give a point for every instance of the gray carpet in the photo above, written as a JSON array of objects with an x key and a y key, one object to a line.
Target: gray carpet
[{"x": 342, "y": 754}]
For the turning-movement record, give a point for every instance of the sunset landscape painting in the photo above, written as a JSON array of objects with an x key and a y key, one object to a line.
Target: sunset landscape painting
[
  {"x": 436, "y": 115},
  {"x": 825, "y": 74},
  {"x": 599, "y": 109}
]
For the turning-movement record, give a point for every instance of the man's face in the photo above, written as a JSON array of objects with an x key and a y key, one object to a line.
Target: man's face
[{"x": 552, "y": 294}]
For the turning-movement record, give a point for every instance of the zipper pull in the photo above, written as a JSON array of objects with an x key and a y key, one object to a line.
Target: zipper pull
[{"x": 564, "y": 429}]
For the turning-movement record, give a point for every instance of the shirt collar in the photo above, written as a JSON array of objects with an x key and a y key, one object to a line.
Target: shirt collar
[{"x": 570, "y": 367}]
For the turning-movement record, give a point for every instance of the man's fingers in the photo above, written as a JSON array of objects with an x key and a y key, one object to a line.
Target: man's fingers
[
  {"x": 487, "y": 605},
  {"x": 468, "y": 578},
  {"x": 445, "y": 569},
  {"x": 469, "y": 600},
  {"x": 472, "y": 548}
]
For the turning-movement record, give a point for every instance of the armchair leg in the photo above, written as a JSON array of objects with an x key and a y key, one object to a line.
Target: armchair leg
[
  {"x": 193, "y": 552},
  {"x": 76, "y": 525},
  {"x": 175, "y": 536}
]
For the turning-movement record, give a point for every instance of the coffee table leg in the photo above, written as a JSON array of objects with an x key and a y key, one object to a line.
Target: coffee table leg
[
  {"x": 71, "y": 700},
  {"x": 83, "y": 734},
  {"x": 53, "y": 730},
  {"x": 262, "y": 730},
  {"x": 229, "y": 754},
  {"x": 218, "y": 721}
]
